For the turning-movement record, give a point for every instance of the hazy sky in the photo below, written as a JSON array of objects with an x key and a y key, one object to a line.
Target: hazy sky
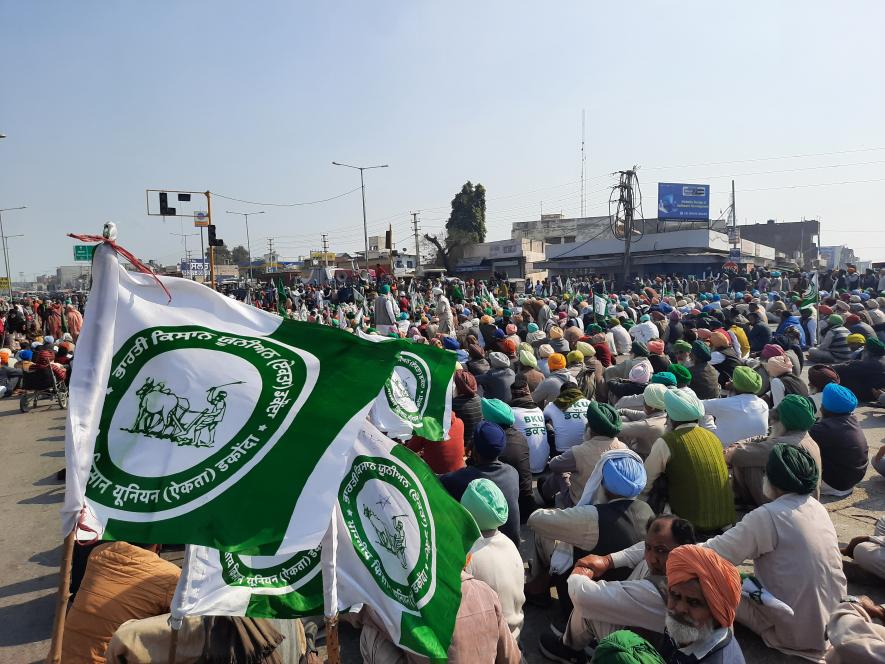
[{"x": 102, "y": 100}]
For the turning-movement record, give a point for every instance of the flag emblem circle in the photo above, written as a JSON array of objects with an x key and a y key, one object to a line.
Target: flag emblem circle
[
  {"x": 408, "y": 389},
  {"x": 176, "y": 424},
  {"x": 386, "y": 514}
]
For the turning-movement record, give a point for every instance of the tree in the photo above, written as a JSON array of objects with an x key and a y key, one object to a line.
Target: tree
[
  {"x": 222, "y": 255},
  {"x": 466, "y": 225},
  {"x": 467, "y": 222},
  {"x": 239, "y": 255}
]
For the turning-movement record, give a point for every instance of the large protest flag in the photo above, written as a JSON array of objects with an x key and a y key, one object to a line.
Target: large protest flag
[
  {"x": 401, "y": 543},
  {"x": 205, "y": 421}
]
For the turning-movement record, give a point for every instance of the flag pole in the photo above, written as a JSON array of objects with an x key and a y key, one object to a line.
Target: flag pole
[
  {"x": 330, "y": 589},
  {"x": 173, "y": 642},
  {"x": 64, "y": 593}
]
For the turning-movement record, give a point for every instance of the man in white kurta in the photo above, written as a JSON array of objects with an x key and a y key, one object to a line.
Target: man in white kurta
[
  {"x": 602, "y": 607},
  {"x": 869, "y": 551},
  {"x": 795, "y": 552},
  {"x": 494, "y": 558}
]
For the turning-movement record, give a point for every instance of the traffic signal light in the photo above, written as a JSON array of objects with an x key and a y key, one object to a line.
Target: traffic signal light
[
  {"x": 165, "y": 210},
  {"x": 214, "y": 241}
]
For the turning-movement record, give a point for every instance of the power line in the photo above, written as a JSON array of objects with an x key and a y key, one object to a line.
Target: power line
[
  {"x": 747, "y": 161},
  {"x": 324, "y": 200}
]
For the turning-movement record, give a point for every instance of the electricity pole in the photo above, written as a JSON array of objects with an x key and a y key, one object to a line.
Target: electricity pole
[
  {"x": 4, "y": 237},
  {"x": 270, "y": 260},
  {"x": 185, "y": 236},
  {"x": 624, "y": 216},
  {"x": 248, "y": 241},
  {"x": 415, "y": 230},
  {"x": 363, "y": 188}
]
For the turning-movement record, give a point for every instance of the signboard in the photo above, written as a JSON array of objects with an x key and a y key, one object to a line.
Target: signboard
[
  {"x": 83, "y": 252},
  {"x": 734, "y": 234},
  {"x": 201, "y": 219},
  {"x": 195, "y": 268},
  {"x": 734, "y": 253},
  {"x": 683, "y": 202},
  {"x": 319, "y": 256},
  {"x": 4, "y": 283}
]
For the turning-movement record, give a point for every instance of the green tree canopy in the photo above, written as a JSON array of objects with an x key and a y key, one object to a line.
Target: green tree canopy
[
  {"x": 467, "y": 222},
  {"x": 222, "y": 255},
  {"x": 239, "y": 255}
]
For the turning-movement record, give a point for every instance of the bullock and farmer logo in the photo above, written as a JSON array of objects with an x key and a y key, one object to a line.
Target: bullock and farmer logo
[
  {"x": 389, "y": 532},
  {"x": 165, "y": 415},
  {"x": 386, "y": 514},
  {"x": 408, "y": 388},
  {"x": 174, "y": 385}
]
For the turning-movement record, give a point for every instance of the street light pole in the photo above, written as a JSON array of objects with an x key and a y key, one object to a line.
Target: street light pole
[
  {"x": 363, "y": 188},
  {"x": 5, "y": 248},
  {"x": 248, "y": 241}
]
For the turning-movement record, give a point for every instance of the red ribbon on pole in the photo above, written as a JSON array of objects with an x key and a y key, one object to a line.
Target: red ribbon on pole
[{"x": 125, "y": 253}]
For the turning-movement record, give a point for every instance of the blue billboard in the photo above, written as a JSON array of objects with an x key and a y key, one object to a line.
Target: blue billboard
[{"x": 683, "y": 202}]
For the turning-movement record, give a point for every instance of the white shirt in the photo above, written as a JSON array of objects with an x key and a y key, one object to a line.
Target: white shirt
[
  {"x": 738, "y": 417},
  {"x": 496, "y": 561},
  {"x": 568, "y": 425},
  {"x": 622, "y": 339},
  {"x": 530, "y": 422},
  {"x": 644, "y": 332}
]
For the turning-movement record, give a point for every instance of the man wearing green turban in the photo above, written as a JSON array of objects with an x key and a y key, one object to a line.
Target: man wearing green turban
[
  {"x": 742, "y": 415},
  {"x": 792, "y": 419},
  {"x": 578, "y": 462},
  {"x": 641, "y": 428},
  {"x": 494, "y": 558},
  {"x": 833, "y": 346},
  {"x": 790, "y": 469},
  {"x": 626, "y": 647},
  {"x": 639, "y": 349},
  {"x": 665, "y": 378},
  {"x": 682, "y": 374}
]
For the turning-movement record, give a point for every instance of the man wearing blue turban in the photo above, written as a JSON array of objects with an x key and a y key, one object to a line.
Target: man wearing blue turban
[
  {"x": 844, "y": 452},
  {"x": 608, "y": 515}
]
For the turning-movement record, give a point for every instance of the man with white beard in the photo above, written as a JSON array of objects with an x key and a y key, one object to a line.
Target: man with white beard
[
  {"x": 795, "y": 552},
  {"x": 703, "y": 592}
]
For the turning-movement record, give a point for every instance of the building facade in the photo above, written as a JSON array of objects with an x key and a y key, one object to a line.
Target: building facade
[
  {"x": 517, "y": 259},
  {"x": 687, "y": 252},
  {"x": 798, "y": 241}
]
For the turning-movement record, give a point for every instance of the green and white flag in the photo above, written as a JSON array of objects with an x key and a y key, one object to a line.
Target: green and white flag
[
  {"x": 400, "y": 544},
  {"x": 217, "y": 583},
  {"x": 417, "y": 398},
  {"x": 811, "y": 296},
  {"x": 408, "y": 542},
  {"x": 206, "y": 421},
  {"x": 600, "y": 305}
]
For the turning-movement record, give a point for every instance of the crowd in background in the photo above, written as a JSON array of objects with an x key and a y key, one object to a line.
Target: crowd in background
[{"x": 650, "y": 438}]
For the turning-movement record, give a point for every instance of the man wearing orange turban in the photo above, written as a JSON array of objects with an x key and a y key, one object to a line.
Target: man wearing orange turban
[{"x": 704, "y": 592}]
